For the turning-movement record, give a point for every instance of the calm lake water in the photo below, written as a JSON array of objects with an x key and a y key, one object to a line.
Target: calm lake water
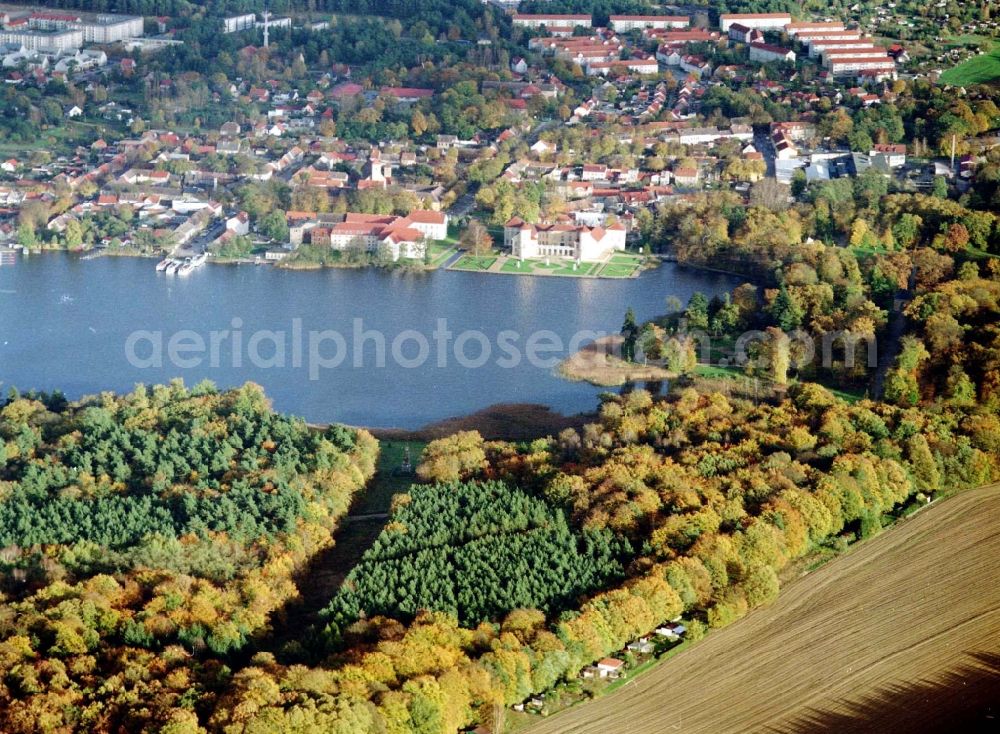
[{"x": 66, "y": 323}]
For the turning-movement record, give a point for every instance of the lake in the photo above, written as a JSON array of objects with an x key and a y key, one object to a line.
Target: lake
[{"x": 367, "y": 347}]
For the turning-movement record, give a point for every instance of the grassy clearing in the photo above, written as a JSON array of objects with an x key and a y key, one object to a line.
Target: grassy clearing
[
  {"x": 870, "y": 250},
  {"x": 977, "y": 70},
  {"x": 624, "y": 258},
  {"x": 56, "y": 140},
  {"x": 965, "y": 39},
  {"x": 848, "y": 395},
  {"x": 715, "y": 372},
  {"x": 736, "y": 375},
  {"x": 389, "y": 480},
  {"x": 598, "y": 364}
]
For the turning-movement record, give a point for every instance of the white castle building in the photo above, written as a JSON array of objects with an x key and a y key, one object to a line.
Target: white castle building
[{"x": 576, "y": 242}]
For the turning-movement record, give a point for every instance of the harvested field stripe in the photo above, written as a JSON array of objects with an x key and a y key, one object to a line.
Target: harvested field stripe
[{"x": 842, "y": 646}]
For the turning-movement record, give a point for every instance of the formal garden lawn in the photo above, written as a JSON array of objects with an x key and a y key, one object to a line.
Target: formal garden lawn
[
  {"x": 621, "y": 265},
  {"x": 977, "y": 70},
  {"x": 617, "y": 270},
  {"x": 475, "y": 262},
  {"x": 538, "y": 267}
]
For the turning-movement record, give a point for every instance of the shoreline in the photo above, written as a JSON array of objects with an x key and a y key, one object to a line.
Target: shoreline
[
  {"x": 597, "y": 364},
  {"x": 498, "y": 422},
  {"x": 655, "y": 261},
  {"x": 255, "y": 261}
]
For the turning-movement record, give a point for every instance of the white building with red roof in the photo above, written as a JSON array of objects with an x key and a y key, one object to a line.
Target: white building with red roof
[
  {"x": 395, "y": 236},
  {"x": 875, "y": 52},
  {"x": 842, "y": 65},
  {"x": 818, "y": 48},
  {"x": 795, "y": 28},
  {"x": 406, "y": 94},
  {"x": 754, "y": 20},
  {"x": 767, "y": 53}
]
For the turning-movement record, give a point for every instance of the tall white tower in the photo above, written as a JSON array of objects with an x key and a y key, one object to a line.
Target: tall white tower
[{"x": 267, "y": 16}]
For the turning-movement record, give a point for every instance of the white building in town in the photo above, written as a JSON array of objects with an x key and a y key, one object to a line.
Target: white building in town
[
  {"x": 101, "y": 28},
  {"x": 239, "y": 224},
  {"x": 638, "y": 66},
  {"x": 812, "y": 37},
  {"x": 552, "y": 20},
  {"x": 237, "y": 23},
  {"x": 854, "y": 64},
  {"x": 818, "y": 48},
  {"x": 33, "y": 40},
  {"x": 624, "y": 23},
  {"x": 111, "y": 28},
  {"x": 283, "y": 22},
  {"x": 767, "y": 52},
  {"x": 893, "y": 154},
  {"x": 794, "y": 29},
  {"x": 78, "y": 60},
  {"x": 831, "y": 55},
  {"x": 776, "y": 21}
]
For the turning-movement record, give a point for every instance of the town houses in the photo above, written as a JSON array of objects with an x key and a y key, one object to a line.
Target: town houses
[{"x": 645, "y": 121}]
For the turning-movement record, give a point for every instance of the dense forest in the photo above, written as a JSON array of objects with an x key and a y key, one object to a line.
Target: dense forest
[
  {"x": 132, "y": 524},
  {"x": 163, "y": 463},
  {"x": 476, "y": 551}
]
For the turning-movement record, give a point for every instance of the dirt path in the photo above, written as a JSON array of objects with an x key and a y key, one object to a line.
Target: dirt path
[
  {"x": 324, "y": 574},
  {"x": 901, "y": 634},
  {"x": 890, "y": 346}
]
